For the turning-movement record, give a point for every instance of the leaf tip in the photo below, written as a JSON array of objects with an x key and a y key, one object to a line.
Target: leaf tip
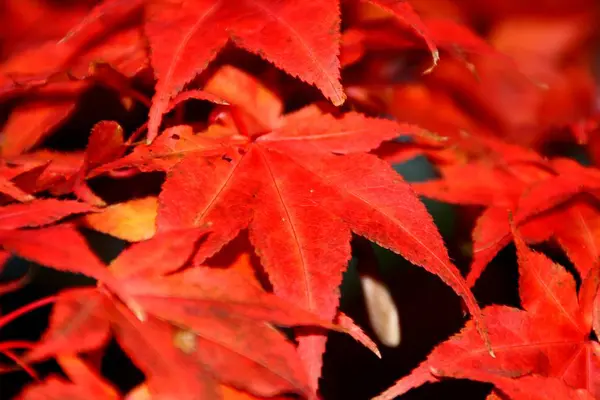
[
  {"x": 349, "y": 326},
  {"x": 435, "y": 55},
  {"x": 339, "y": 100},
  {"x": 136, "y": 309},
  {"x": 377, "y": 353}
]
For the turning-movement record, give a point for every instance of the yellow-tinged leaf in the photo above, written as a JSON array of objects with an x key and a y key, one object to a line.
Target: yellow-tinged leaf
[{"x": 132, "y": 220}]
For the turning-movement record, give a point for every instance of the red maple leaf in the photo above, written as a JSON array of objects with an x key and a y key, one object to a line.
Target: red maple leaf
[
  {"x": 202, "y": 326},
  {"x": 301, "y": 186},
  {"x": 549, "y": 337},
  {"x": 186, "y": 36},
  {"x": 554, "y": 199}
]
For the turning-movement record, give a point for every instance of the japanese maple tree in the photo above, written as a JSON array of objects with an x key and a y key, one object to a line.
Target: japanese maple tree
[{"x": 243, "y": 157}]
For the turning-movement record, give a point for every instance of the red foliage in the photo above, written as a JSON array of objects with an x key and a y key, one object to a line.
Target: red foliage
[{"x": 239, "y": 206}]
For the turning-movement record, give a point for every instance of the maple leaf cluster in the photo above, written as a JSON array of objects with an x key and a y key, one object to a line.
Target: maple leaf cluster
[{"x": 241, "y": 151}]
